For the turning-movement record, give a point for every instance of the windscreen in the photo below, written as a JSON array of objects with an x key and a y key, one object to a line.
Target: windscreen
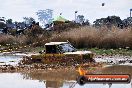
[{"x": 67, "y": 47}]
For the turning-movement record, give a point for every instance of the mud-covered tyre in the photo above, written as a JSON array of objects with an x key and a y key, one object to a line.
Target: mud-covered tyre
[{"x": 81, "y": 80}]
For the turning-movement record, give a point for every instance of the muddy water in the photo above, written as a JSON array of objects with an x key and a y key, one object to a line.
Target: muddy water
[
  {"x": 49, "y": 79},
  {"x": 57, "y": 78},
  {"x": 67, "y": 79},
  {"x": 116, "y": 69},
  {"x": 10, "y": 59}
]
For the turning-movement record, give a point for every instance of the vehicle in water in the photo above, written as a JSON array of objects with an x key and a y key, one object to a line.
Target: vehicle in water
[{"x": 61, "y": 52}]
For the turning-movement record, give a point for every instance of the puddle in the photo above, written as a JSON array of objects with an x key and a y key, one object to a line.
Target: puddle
[
  {"x": 10, "y": 59},
  {"x": 15, "y": 80},
  {"x": 62, "y": 79},
  {"x": 116, "y": 69},
  {"x": 18, "y": 80},
  {"x": 112, "y": 60}
]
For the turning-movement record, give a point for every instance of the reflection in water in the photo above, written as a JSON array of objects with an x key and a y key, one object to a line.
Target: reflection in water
[
  {"x": 56, "y": 79},
  {"x": 39, "y": 79},
  {"x": 15, "y": 80},
  {"x": 67, "y": 79},
  {"x": 53, "y": 84},
  {"x": 53, "y": 79},
  {"x": 110, "y": 85},
  {"x": 116, "y": 69}
]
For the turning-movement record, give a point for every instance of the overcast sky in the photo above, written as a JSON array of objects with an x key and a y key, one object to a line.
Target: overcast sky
[{"x": 91, "y": 9}]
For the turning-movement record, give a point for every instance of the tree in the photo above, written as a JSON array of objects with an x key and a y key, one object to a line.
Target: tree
[
  {"x": 109, "y": 21},
  {"x": 9, "y": 21},
  {"x": 127, "y": 21},
  {"x": 2, "y": 25},
  {"x": 86, "y": 22},
  {"x": 80, "y": 19},
  {"x": 2, "y": 22},
  {"x": 45, "y": 16},
  {"x": 28, "y": 20}
]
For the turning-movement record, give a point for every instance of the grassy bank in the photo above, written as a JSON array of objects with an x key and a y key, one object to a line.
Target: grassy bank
[
  {"x": 97, "y": 51},
  {"x": 119, "y": 51}
]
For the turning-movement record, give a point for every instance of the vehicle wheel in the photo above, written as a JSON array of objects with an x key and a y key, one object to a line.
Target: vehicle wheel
[
  {"x": 92, "y": 60},
  {"x": 81, "y": 80}
]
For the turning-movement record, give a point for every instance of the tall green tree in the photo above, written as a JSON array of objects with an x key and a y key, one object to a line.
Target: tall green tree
[
  {"x": 110, "y": 20},
  {"x": 9, "y": 21}
]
